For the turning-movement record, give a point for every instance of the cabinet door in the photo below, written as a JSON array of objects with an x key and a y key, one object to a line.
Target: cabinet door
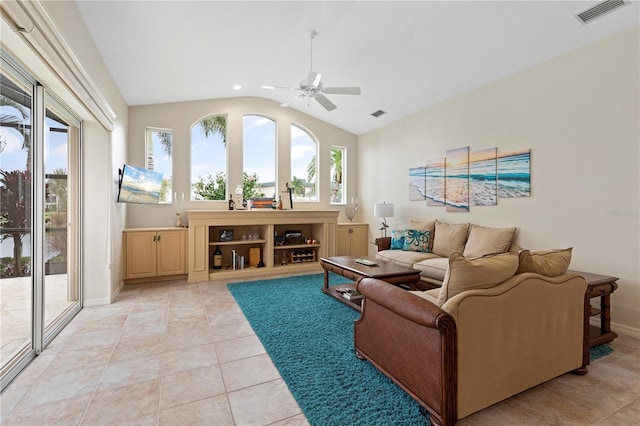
[
  {"x": 343, "y": 241},
  {"x": 359, "y": 244},
  {"x": 140, "y": 254},
  {"x": 172, "y": 253}
]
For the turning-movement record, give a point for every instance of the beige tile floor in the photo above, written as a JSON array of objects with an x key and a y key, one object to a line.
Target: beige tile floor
[{"x": 183, "y": 354}]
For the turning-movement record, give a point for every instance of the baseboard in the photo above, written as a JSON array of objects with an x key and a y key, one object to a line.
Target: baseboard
[
  {"x": 96, "y": 302},
  {"x": 105, "y": 300},
  {"x": 618, "y": 328}
]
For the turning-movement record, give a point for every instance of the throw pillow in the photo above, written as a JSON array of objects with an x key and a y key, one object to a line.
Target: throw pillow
[
  {"x": 425, "y": 226},
  {"x": 483, "y": 272},
  {"x": 397, "y": 239},
  {"x": 416, "y": 241},
  {"x": 483, "y": 241},
  {"x": 449, "y": 238},
  {"x": 550, "y": 263}
]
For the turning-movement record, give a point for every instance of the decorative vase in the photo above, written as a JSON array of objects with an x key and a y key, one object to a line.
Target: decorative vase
[{"x": 351, "y": 209}]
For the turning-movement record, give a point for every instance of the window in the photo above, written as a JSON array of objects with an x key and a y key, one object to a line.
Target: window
[
  {"x": 209, "y": 158},
  {"x": 338, "y": 169},
  {"x": 259, "y": 157},
  {"x": 304, "y": 165},
  {"x": 159, "y": 146}
]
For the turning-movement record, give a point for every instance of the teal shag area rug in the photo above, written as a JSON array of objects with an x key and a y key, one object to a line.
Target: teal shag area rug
[{"x": 309, "y": 337}]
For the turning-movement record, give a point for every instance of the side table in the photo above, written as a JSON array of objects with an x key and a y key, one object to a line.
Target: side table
[{"x": 600, "y": 286}]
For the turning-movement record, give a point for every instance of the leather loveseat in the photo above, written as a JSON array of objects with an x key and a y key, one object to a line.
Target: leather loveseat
[{"x": 493, "y": 330}]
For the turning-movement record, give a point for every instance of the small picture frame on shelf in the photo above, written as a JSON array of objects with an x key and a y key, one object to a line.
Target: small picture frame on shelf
[{"x": 226, "y": 235}]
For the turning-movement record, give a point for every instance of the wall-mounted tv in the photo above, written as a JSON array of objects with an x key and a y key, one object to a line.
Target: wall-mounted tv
[{"x": 139, "y": 185}]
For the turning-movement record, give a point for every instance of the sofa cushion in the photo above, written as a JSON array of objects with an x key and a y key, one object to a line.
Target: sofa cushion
[
  {"x": 434, "y": 267},
  {"x": 483, "y": 241},
  {"x": 482, "y": 272},
  {"x": 397, "y": 239},
  {"x": 449, "y": 238},
  {"x": 430, "y": 295},
  {"x": 425, "y": 226},
  {"x": 404, "y": 258},
  {"x": 417, "y": 240},
  {"x": 550, "y": 263}
]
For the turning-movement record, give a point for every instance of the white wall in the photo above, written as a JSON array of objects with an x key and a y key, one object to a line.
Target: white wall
[
  {"x": 181, "y": 116},
  {"x": 579, "y": 114}
]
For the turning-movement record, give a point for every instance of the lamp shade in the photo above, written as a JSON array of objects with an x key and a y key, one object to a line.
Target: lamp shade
[{"x": 382, "y": 210}]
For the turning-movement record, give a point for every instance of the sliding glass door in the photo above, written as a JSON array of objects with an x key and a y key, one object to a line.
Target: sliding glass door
[{"x": 39, "y": 218}]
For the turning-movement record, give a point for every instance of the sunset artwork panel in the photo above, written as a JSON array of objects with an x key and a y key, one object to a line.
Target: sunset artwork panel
[
  {"x": 483, "y": 181},
  {"x": 434, "y": 174},
  {"x": 514, "y": 174},
  {"x": 417, "y": 184},
  {"x": 457, "y": 180}
]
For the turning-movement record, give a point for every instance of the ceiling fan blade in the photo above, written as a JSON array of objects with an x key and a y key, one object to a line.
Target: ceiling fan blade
[
  {"x": 313, "y": 79},
  {"x": 291, "y": 102},
  {"x": 293, "y": 89},
  {"x": 326, "y": 103},
  {"x": 341, "y": 90}
]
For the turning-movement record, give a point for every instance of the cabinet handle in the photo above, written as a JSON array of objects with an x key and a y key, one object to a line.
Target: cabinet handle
[{"x": 158, "y": 240}]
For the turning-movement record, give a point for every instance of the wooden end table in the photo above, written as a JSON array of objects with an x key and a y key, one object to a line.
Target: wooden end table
[
  {"x": 600, "y": 286},
  {"x": 347, "y": 267}
]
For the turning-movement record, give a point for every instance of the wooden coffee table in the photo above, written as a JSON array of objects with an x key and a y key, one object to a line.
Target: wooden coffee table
[{"x": 347, "y": 267}]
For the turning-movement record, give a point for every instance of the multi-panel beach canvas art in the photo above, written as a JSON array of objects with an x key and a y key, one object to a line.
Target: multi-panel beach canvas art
[
  {"x": 456, "y": 174},
  {"x": 434, "y": 174},
  {"x": 417, "y": 184},
  {"x": 483, "y": 182},
  {"x": 467, "y": 178},
  {"x": 514, "y": 174}
]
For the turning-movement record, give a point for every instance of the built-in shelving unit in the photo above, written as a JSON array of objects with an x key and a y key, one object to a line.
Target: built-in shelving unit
[{"x": 288, "y": 241}]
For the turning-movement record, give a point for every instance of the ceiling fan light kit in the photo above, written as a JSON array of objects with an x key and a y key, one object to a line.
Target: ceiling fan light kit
[{"x": 312, "y": 86}]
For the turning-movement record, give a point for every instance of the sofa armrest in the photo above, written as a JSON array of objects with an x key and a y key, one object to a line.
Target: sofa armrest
[
  {"x": 383, "y": 243},
  {"x": 413, "y": 342}
]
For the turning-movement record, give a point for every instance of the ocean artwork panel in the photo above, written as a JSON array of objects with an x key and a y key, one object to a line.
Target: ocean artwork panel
[
  {"x": 434, "y": 182},
  {"x": 139, "y": 185},
  {"x": 514, "y": 174},
  {"x": 483, "y": 180},
  {"x": 417, "y": 184},
  {"x": 457, "y": 180}
]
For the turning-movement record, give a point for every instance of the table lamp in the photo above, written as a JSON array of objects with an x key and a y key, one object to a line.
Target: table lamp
[{"x": 384, "y": 211}]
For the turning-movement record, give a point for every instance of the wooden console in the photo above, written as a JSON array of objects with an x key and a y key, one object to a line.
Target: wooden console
[{"x": 263, "y": 229}]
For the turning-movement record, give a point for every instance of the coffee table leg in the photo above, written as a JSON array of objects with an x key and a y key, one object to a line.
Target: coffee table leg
[{"x": 326, "y": 278}]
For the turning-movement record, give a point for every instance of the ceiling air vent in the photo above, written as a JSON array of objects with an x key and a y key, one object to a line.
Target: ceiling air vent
[
  {"x": 600, "y": 9},
  {"x": 378, "y": 113}
]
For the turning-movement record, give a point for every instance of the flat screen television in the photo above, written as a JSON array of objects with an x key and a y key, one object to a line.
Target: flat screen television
[{"x": 139, "y": 185}]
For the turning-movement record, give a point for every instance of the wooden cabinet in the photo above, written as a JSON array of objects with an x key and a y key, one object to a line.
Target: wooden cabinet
[
  {"x": 154, "y": 253},
  {"x": 352, "y": 239},
  {"x": 289, "y": 241}
]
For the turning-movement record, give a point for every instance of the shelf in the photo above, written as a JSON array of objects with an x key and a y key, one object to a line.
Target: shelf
[
  {"x": 236, "y": 242},
  {"x": 205, "y": 227},
  {"x": 295, "y": 246}
]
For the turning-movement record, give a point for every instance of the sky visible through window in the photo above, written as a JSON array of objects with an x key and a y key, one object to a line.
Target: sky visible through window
[{"x": 209, "y": 156}]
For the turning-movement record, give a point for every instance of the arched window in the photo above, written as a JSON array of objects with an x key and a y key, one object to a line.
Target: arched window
[
  {"x": 304, "y": 165},
  {"x": 209, "y": 158},
  {"x": 259, "y": 157}
]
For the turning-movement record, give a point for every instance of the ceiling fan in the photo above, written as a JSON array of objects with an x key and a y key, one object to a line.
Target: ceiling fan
[{"x": 312, "y": 87}]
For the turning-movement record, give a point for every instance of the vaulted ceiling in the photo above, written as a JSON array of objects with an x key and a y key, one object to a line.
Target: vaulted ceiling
[{"x": 405, "y": 56}]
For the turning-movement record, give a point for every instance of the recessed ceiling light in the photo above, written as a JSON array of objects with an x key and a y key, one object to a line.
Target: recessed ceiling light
[{"x": 237, "y": 87}]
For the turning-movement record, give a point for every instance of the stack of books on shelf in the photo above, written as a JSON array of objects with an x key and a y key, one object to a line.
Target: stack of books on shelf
[{"x": 349, "y": 293}]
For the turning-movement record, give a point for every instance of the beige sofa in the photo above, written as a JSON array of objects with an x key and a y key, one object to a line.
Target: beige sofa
[
  {"x": 493, "y": 329},
  {"x": 438, "y": 241}
]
